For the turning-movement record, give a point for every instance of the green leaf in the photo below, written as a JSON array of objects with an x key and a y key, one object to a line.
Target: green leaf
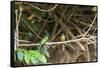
[
  {"x": 34, "y": 60},
  {"x": 42, "y": 59},
  {"x": 27, "y": 58},
  {"x": 36, "y": 57},
  {"x": 20, "y": 54},
  {"x": 32, "y": 52}
]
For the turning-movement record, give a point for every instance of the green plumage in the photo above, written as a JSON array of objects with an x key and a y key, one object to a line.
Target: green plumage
[
  {"x": 43, "y": 41},
  {"x": 62, "y": 37},
  {"x": 42, "y": 47}
]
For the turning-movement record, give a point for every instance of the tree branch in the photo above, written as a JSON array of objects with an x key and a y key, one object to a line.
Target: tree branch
[{"x": 52, "y": 43}]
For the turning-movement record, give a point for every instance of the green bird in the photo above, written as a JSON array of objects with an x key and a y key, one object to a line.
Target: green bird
[
  {"x": 63, "y": 38},
  {"x": 43, "y": 41},
  {"x": 42, "y": 47}
]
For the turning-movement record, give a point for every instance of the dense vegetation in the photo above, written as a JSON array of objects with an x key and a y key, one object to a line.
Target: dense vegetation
[{"x": 54, "y": 33}]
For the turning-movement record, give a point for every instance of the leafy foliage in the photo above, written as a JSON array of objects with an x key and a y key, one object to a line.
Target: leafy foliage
[
  {"x": 30, "y": 56},
  {"x": 37, "y": 57}
]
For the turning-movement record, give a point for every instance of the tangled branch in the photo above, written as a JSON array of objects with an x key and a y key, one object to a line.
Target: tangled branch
[{"x": 54, "y": 43}]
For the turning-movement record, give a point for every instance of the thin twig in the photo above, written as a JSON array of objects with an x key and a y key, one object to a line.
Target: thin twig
[
  {"x": 17, "y": 25},
  {"x": 45, "y": 23},
  {"x": 78, "y": 29},
  {"x": 71, "y": 14},
  {"x": 82, "y": 22},
  {"x": 16, "y": 11},
  {"x": 24, "y": 41},
  {"x": 30, "y": 28},
  {"x": 78, "y": 43},
  {"x": 87, "y": 52},
  {"x": 79, "y": 36},
  {"x": 94, "y": 31},
  {"x": 43, "y": 9},
  {"x": 58, "y": 23},
  {"x": 90, "y": 26}
]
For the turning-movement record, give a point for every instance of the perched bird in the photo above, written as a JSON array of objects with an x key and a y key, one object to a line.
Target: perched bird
[
  {"x": 43, "y": 41},
  {"x": 63, "y": 38},
  {"x": 43, "y": 49}
]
